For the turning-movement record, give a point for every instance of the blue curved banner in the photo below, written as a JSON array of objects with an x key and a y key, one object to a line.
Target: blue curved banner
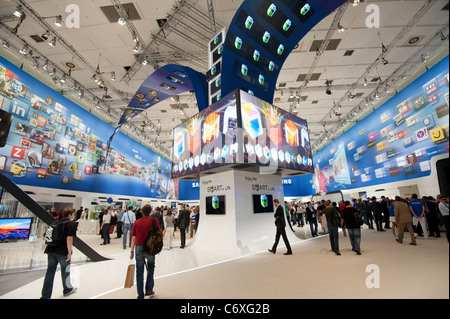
[{"x": 260, "y": 37}]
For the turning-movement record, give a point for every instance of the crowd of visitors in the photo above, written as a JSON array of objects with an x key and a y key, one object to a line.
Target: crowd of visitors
[{"x": 424, "y": 217}]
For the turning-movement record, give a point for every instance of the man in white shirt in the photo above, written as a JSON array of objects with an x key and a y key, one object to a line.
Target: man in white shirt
[
  {"x": 128, "y": 220},
  {"x": 443, "y": 208}
]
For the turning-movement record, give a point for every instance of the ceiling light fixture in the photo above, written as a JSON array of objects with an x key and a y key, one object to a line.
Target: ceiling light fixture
[
  {"x": 122, "y": 21},
  {"x": 385, "y": 62},
  {"x": 340, "y": 28},
  {"x": 58, "y": 21},
  {"x": 53, "y": 42},
  {"x": 18, "y": 12}
]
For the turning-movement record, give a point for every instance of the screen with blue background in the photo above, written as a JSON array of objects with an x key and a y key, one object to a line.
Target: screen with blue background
[
  {"x": 394, "y": 143},
  {"x": 57, "y": 144}
]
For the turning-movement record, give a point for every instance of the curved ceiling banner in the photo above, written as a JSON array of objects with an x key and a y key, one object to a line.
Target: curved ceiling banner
[
  {"x": 164, "y": 83},
  {"x": 261, "y": 36}
]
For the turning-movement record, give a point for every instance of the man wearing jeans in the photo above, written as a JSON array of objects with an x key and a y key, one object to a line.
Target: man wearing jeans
[
  {"x": 333, "y": 222},
  {"x": 350, "y": 221},
  {"x": 128, "y": 220},
  {"x": 61, "y": 254},
  {"x": 139, "y": 233}
]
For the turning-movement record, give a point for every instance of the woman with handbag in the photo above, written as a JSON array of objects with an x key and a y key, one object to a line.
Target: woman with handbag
[{"x": 351, "y": 219}]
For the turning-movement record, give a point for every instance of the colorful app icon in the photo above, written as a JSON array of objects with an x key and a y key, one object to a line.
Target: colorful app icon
[
  {"x": 244, "y": 69},
  {"x": 238, "y": 43},
  {"x": 292, "y": 134},
  {"x": 280, "y": 49},
  {"x": 271, "y": 10},
  {"x": 249, "y": 22},
  {"x": 287, "y": 24},
  {"x": 256, "y": 55},
  {"x": 264, "y": 201},
  {"x": 438, "y": 135},
  {"x": 251, "y": 119},
  {"x": 305, "y": 9},
  {"x": 422, "y": 134},
  {"x": 215, "y": 202},
  {"x": 266, "y": 37},
  {"x": 211, "y": 128},
  {"x": 271, "y": 66}
]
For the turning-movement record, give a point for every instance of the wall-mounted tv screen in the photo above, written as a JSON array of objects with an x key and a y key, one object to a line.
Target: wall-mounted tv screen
[
  {"x": 215, "y": 205},
  {"x": 262, "y": 204},
  {"x": 15, "y": 228}
]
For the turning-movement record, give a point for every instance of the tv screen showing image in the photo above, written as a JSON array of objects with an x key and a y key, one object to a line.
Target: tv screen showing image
[
  {"x": 262, "y": 204},
  {"x": 215, "y": 205},
  {"x": 15, "y": 228}
]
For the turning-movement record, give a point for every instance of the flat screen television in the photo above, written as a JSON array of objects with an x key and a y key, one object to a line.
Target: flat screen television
[
  {"x": 15, "y": 228},
  {"x": 215, "y": 205},
  {"x": 262, "y": 204}
]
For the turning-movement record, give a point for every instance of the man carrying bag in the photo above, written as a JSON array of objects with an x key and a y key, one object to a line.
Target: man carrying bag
[{"x": 141, "y": 229}]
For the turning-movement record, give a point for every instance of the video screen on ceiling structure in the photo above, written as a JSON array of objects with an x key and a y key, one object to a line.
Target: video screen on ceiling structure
[{"x": 268, "y": 135}]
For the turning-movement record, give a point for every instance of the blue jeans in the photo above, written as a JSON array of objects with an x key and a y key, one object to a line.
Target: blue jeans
[
  {"x": 355, "y": 238},
  {"x": 140, "y": 263},
  {"x": 105, "y": 231},
  {"x": 126, "y": 228},
  {"x": 311, "y": 224},
  {"x": 53, "y": 260},
  {"x": 334, "y": 236}
]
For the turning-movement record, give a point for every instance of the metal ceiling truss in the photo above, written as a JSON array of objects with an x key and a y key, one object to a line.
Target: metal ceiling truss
[
  {"x": 76, "y": 85},
  {"x": 185, "y": 17},
  {"x": 412, "y": 63},
  {"x": 384, "y": 53}
]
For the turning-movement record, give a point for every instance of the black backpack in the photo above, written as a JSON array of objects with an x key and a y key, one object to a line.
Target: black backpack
[
  {"x": 54, "y": 235},
  {"x": 154, "y": 241}
]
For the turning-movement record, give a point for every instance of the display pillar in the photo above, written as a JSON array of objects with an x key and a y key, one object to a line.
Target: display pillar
[{"x": 240, "y": 231}]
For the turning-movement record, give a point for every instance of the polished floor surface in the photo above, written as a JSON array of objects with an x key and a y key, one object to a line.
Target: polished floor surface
[{"x": 385, "y": 270}]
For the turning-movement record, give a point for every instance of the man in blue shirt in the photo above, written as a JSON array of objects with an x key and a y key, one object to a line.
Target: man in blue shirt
[{"x": 417, "y": 208}]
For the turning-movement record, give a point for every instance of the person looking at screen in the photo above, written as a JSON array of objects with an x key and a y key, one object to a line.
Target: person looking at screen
[
  {"x": 280, "y": 223},
  {"x": 61, "y": 254}
]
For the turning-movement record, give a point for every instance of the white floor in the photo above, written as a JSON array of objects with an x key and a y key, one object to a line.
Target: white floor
[{"x": 313, "y": 271}]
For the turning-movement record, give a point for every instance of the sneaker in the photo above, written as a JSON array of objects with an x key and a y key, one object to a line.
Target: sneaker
[{"x": 70, "y": 292}]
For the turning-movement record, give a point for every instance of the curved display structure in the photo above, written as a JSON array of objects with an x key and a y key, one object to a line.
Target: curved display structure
[{"x": 260, "y": 37}]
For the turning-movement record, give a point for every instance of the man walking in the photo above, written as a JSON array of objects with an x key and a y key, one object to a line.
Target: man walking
[
  {"x": 281, "y": 228},
  {"x": 403, "y": 219},
  {"x": 183, "y": 223},
  {"x": 139, "y": 233},
  {"x": 333, "y": 222},
  {"x": 128, "y": 220},
  {"x": 419, "y": 216},
  {"x": 61, "y": 253}
]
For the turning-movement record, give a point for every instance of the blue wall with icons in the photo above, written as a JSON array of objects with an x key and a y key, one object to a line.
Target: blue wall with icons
[
  {"x": 394, "y": 143},
  {"x": 55, "y": 143}
]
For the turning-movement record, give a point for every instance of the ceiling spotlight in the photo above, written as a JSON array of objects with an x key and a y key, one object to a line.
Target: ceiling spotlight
[
  {"x": 45, "y": 66},
  {"x": 63, "y": 79},
  {"x": 45, "y": 36},
  {"x": 58, "y": 21},
  {"x": 97, "y": 104},
  {"x": 24, "y": 50},
  {"x": 355, "y": 3},
  {"x": 291, "y": 95},
  {"x": 424, "y": 59},
  {"x": 365, "y": 82},
  {"x": 144, "y": 62},
  {"x": 350, "y": 97},
  {"x": 377, "y": 95},
  {"x": 113, "y": 76},
  {"x": 385, "y": 62},
  {"x": 6, "y": 44},
  {"x": 137, "y": 47},
  {"x": 53, "y": 42},
  {"x": 122, "y": 21},
  {"x": 18, "y": 12},
  {"x": 340, "y": 28}
]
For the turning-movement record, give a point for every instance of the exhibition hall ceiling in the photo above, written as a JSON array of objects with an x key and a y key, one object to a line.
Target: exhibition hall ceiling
[{"x": 413, "y": 33}]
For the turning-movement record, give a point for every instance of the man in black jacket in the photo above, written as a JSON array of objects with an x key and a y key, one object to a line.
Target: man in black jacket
[
  {"x": 281, "y": 231},
  {"x": 377, "y": 213},
  {"x": 183, "y": 223},
  {"x": 61, "y": 254}
]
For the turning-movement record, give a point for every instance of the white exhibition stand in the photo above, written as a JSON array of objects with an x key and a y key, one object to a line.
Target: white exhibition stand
[{"x": 240, "y": 231}]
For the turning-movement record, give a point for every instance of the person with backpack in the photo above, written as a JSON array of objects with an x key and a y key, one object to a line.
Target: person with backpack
[
  {"x": 59, "y": 240},
  {"x": 139, "y": 233},
  {"x": 352, "y": 221}
]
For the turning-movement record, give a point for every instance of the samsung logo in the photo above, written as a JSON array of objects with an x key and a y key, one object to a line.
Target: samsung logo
[{"x": 287, "y": 181}]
